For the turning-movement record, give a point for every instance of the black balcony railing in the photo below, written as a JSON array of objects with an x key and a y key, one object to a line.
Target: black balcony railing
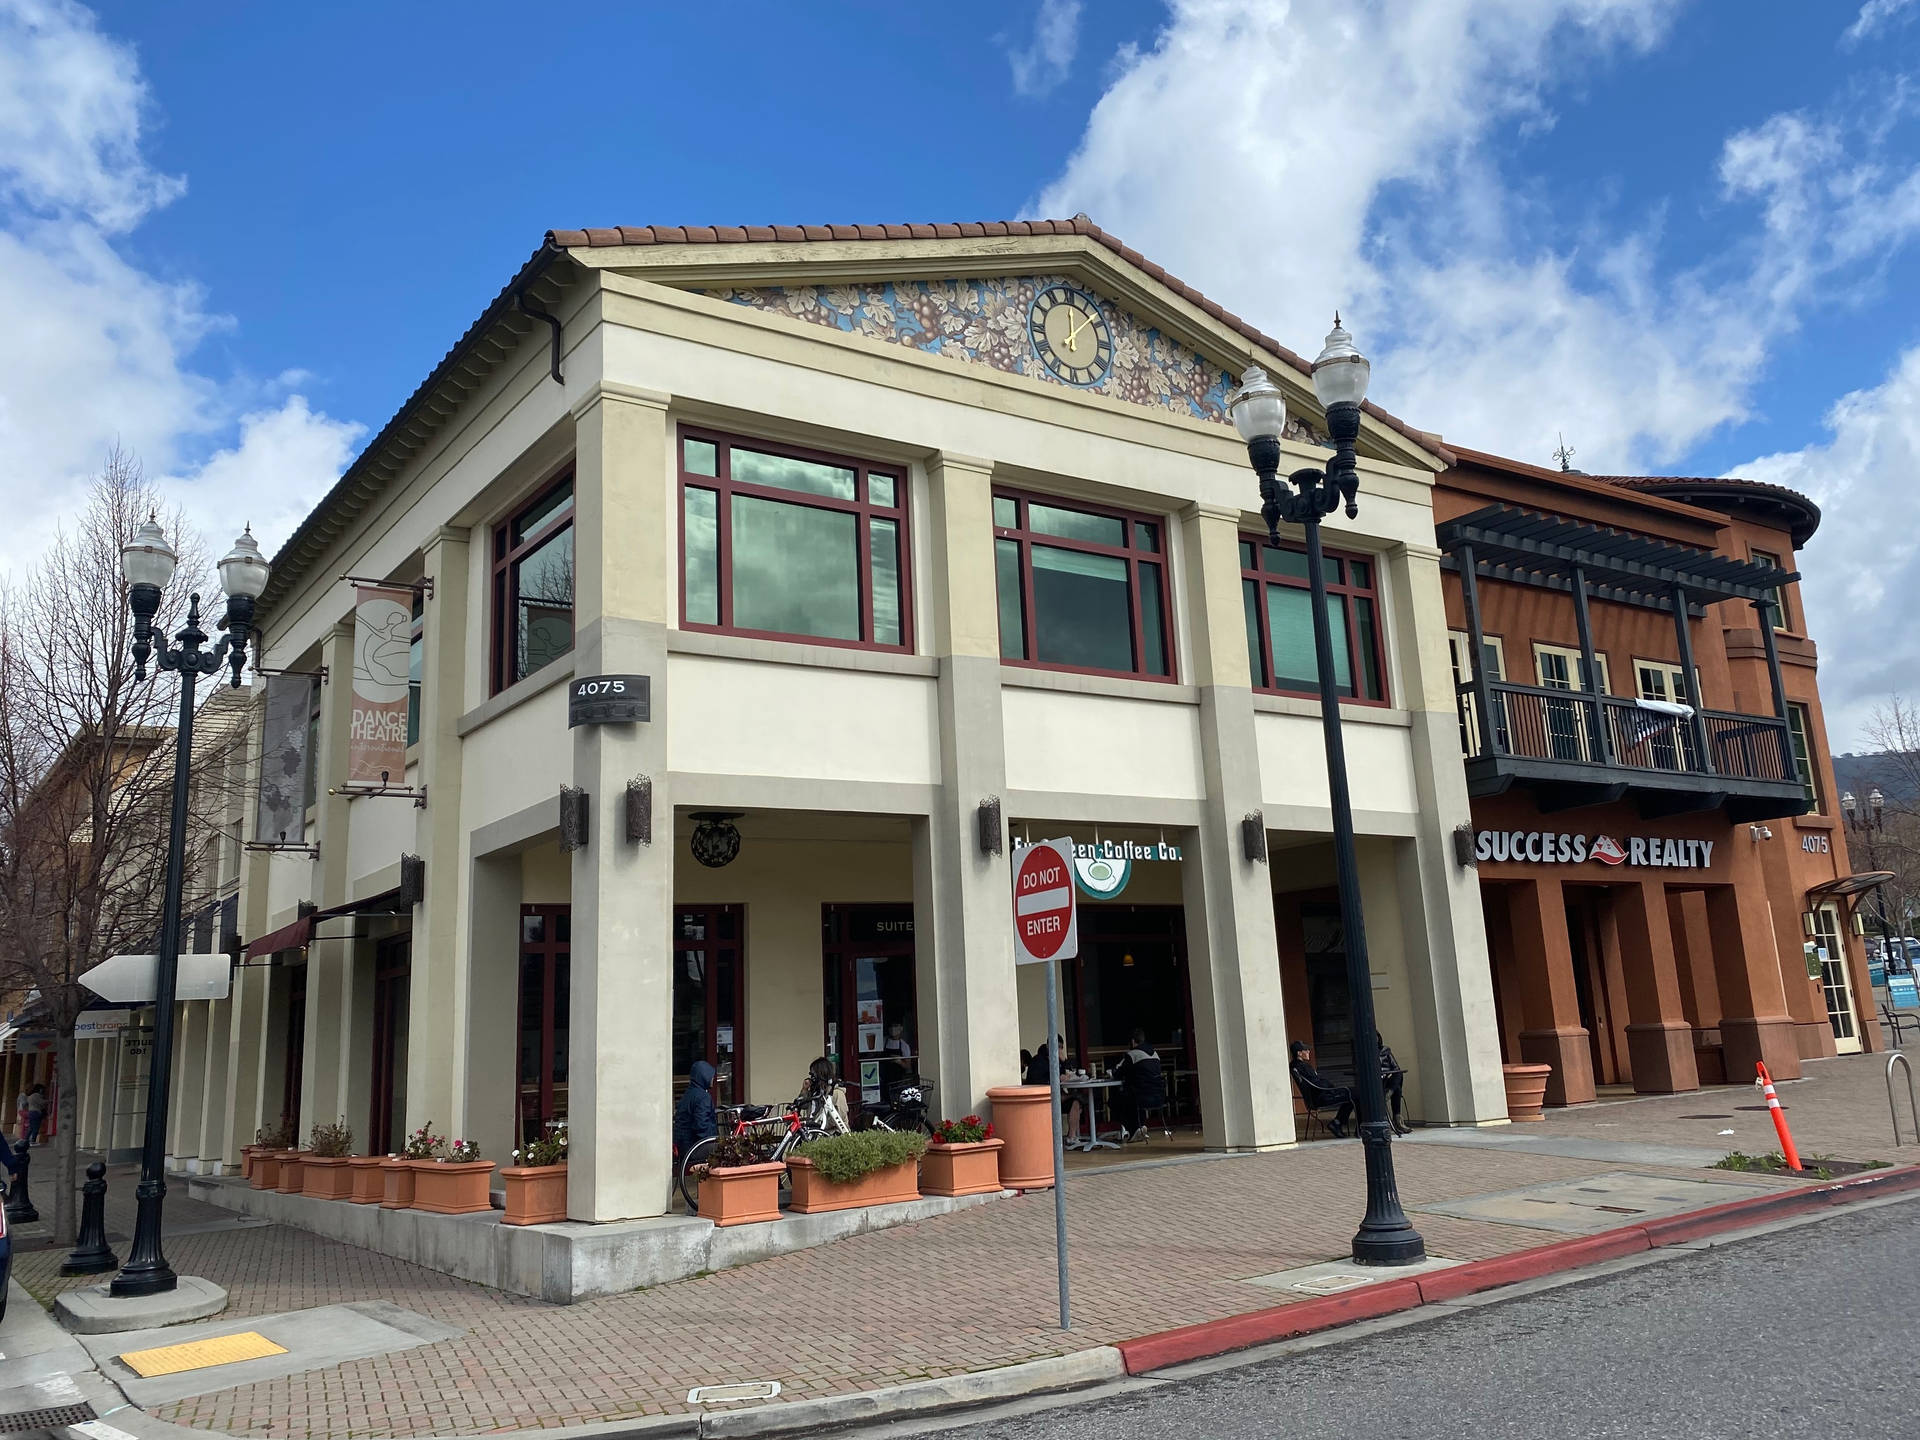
[{"x": 1536, "y": 722}]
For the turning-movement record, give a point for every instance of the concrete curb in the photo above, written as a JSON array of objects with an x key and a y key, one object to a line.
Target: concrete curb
[{"x": 1148, "y": 1353}]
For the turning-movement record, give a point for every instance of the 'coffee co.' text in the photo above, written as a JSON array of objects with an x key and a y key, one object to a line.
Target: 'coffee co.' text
[{"x": 1551, "y": 847}]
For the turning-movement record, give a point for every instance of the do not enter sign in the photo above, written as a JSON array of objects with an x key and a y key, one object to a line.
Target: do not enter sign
[{"x": 1044, "y": 924}]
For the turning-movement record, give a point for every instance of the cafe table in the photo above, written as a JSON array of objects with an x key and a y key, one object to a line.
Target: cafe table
[{"x": 1088, "y": 1085}]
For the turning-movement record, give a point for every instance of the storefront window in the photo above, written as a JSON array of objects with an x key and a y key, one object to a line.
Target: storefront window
[
  {"x": 533, "y": 586},
  {"x": 1279, "y": 612},
  {"x": 790, "y": 544},
  {"x": 709, "y": 997},
  {"x": 1800, "y": 727},
  {"x": 546, "y": 935},
  {"x": 1081, "y": 588},
  {"x": 869, "y": 986}
]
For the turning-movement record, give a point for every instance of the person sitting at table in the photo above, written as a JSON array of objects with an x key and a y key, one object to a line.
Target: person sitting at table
[
  {"x": 1320, "y": 1093},
  {"x": 1037, "y": 1075},
  {"x": 1143, "y": 1086},
  {"x": 1393, "y": 1078}
]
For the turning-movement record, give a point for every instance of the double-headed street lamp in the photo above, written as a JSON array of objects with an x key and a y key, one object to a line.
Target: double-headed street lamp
[
  {"x": 1869, "y": 824},
  {"x": 147, "y": 562},
  {"x": 1260, "y": 415}
]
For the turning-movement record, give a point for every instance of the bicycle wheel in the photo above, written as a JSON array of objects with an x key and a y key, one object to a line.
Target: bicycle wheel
[{"x": 690, "y": 1166}]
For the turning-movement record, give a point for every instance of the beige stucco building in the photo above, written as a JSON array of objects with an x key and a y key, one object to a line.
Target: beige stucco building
[{"x": 895, "y": 521}]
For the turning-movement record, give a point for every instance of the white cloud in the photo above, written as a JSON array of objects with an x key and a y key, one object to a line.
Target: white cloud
[
  {"x": 1863, "y": 569},
  {"x": 1044, "y": 62},
  {"x": 1350, "y": 163},
  {"x": 99, "y": 349},
  {"x": 1874, "y": 15}
]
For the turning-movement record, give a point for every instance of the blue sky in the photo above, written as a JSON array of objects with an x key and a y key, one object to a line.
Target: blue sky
[{"x": 236, "y": 236}]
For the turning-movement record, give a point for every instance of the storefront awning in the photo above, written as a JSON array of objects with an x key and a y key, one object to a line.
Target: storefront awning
[
  {"x": 301, "y": 931},
  {"x": 287, "y": 937},
  {"x": 1856, "y": 884},
  {"x": 1511, "y": 543}
]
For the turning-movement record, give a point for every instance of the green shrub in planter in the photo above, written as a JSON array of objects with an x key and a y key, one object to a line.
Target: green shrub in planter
[{"x": 845, "y": 1158}]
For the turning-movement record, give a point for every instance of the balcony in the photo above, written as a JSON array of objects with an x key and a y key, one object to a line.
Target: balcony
[{"x": 1572, "y": 749}]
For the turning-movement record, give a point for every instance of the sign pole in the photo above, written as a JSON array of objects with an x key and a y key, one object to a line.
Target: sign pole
[{"x": 1059, "y": 1140}]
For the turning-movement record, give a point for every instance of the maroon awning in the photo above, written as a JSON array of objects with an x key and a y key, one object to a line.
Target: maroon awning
[{"x": 287, "y": 937}]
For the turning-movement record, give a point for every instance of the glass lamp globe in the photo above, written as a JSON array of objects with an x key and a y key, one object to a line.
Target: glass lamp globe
[
  {"x": 243, "y": 569},
  {"x": 1259, "y": 409},
  {"x": 147, "y": 559},
  {"x": 1340, "y": 372}
]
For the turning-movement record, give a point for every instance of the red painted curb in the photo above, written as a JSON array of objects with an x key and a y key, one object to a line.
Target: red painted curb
[{"x": 1280, "y": 1322}]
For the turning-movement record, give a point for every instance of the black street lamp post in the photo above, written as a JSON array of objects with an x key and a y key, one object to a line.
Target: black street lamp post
[
  {"x": 147, "y": 562},
  {"x": 1259, "y": 410},
  {"x": 1868, "y": 826}
]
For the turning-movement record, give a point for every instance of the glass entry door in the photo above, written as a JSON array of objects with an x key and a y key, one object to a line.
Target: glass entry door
[
  {"x": 546, "y": 936},
  {"x": 710, "y": 997},
  {"x": 872, "y": 1028},
  {"x": 392, "y": 990},
  {"x": 1834, "y": 984}
]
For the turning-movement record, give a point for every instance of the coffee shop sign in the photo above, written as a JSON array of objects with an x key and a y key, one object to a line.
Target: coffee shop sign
[{"x": 1551, "y": 847}]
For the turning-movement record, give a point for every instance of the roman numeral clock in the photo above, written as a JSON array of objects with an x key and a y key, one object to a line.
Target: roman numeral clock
[{"x": 1070, "y": 334}]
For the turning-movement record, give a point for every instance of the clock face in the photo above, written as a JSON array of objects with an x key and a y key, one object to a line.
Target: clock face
[{"x": 1071, "y": 335}]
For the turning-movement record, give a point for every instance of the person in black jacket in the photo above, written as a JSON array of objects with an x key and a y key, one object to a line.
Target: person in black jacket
[
  {"x": 1393, "y": 1079},
  {"x": 694, "y": 1119},
  {"x": 1037, "y": 1074},
  {"x": 1320, "y": 1092},
  {"x": 1143, "y": 1086}
]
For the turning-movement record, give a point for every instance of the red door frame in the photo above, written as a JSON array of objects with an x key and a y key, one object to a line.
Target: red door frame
[
  {"x": 552, "y": 951},
  {"x": 709, "y": 943},
  {"x": 392, "y": 966},
  {"x": 840, "y": 953}
]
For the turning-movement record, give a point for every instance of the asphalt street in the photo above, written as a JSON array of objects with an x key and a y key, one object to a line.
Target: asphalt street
[{"x": 1807, "y": 1331}]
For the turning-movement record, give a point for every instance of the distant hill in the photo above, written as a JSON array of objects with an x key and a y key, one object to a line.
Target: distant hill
[{"x": 1860, "y": 773}]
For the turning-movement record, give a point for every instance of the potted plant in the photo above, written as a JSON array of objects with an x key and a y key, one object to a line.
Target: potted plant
[
  {"x": 537, "y": 1179},
  {"x": 267, "y": 1145},
  {"x": 292, "y": 1166},
  {"x": 454, "y": 1183},
  {"x": 844, "y": 1172},
  {"x": 1526, "y": 1090},
  {"x": 964, "y": 1159},
  {"x": 324, "y": 1174},
  {"x": 739, "y": 1185},
  {"x": 369, "y": 1185},
  {"x": 396, "y": 1171}
]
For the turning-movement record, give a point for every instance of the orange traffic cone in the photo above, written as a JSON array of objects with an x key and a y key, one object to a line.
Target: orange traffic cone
[{"x": 1765, "y": 1082}]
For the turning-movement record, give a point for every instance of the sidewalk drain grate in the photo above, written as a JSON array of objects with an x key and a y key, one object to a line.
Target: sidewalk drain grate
[
  {"x": 51, "y": 1417},
  {"x": 725, "y": 1394}
]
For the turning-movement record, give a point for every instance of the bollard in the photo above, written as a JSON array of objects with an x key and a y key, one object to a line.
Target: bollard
[
  {"x": 90, "y": 1253},
  {"x": 1765, "y": 1082},
  {"x": 20, "y": 1209}
]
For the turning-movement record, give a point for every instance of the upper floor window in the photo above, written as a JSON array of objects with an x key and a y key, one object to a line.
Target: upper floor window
[
  {"x": 1279, "y": 610},
  {"x": 1800, "y": 728},
  {"x": 1081, "y": 587},
  {"x": 1772, "y": 562},
  {"x": 533, "y": 586},
  {"x": 791, "y": 544}
]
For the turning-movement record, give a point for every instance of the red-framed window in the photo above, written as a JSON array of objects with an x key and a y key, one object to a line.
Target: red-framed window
[
  {"x": 792, "y": 544},
  {"x": 1082, "y": 587},
  {"x": 533, "y": 585},
  {"x": 1279, "y": 608}
]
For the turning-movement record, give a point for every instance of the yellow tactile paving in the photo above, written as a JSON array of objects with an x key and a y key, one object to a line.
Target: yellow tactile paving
[{"x": 199, "y": 1354}]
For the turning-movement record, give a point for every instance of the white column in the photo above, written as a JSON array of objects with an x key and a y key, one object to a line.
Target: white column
[
  {"x": 329, "y": 962},
  {"x": 189, "y": 1084},
  {"x": 216, "y": 1098}
]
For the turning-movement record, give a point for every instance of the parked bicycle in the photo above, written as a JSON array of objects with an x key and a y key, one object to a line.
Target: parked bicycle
[
  {"x": 907, "y": 1111},
  {"x": 815, "y": 1112}
]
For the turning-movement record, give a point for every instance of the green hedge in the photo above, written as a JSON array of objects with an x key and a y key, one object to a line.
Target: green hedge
[{"x": 843, "y": 1158}]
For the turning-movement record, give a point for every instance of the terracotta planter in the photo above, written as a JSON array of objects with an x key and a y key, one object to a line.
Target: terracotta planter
[
  {"x": 369, "y": 1185},
  {"x": 741, "y": 1194},
  {"x": 292, "y": 1163},
  {"x": 450, "y": 1187},
  {"x": 966, "y": 1169},
  {"x": 246, "y": 1161},
  {"x": 326, "y": 1177},
  {"x": 1023, "y": 1119},
  {"x": 1526, "y": 1090},
  {"x": 536, "y": 1194},
  {"x": 812, "y": 1193},
  {"x": 396, "y": 1183},
  {"x": 266, "y": 1169}
]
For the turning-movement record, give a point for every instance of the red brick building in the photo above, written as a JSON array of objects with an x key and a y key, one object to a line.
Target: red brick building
[{"x": 1667, "y": 890}]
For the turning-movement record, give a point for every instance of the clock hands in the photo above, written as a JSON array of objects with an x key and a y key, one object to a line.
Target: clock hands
[{"x": 1073, "y": 333}]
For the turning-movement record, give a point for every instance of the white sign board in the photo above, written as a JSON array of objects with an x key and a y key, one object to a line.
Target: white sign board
[
  {"x": 131, "y": 979},
  {"x": 1045, "y": 916},
  {"x": 99, "y": 1024}
]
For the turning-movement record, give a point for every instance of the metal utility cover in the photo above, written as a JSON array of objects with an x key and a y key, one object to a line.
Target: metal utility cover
[{"x": 199, "y": 1354}]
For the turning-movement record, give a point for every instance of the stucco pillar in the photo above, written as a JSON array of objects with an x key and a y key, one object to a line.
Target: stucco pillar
[
  {"x": 483, "y": 1109},
  {"x": 216, "y": 1098},
  {"x": 620, "y": 1101},
  {"x": 432, "y": 1014},
  {"x": 355, "y": 1097},
  {"x": 963, "y": 941},
  {"x": 1659, "y": 1037},
  {"x": 329, "y": 961},
  {"x": 1754, "y": 1023},
  {"x": 189, "y": 1084},
  {"x": 87, "y": 1062},
  {"x": 1233, "y": 958},
  {"x": 1449, "y": 978},
  {"x": 1551, "y": 1032}
]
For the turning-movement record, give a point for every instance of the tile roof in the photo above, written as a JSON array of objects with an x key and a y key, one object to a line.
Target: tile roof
[
  {"x": 968, "y": 230},
  {"x": 1802, "y": 515}
]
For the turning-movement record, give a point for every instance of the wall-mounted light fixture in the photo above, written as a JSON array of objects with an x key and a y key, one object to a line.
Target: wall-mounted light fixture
[
  {"x": 573, "y": 818},
  {"x": 640, "y": 810},
  {"x": 987, "y": 819},
  {"x": 1253, "y": 837},
  {"x": 716, "y": 840}
]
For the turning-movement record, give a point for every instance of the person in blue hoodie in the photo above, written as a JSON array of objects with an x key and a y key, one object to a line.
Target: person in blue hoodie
[{"x": 693, "y": 1115}]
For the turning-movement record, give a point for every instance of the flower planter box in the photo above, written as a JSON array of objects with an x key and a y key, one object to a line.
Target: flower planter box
[
  {"x": 451, "y": 1187},
  {"x": 536, "y": 1194},
  {"x": 965, "y": 1169},
  {"x": 266, "y": 1169},
  {"x": 292, "y": 1163},
  {"x": 1023, "y": 1117},
  {"x": 813, "y": 1194},
  {"x": 1526, "y": 1090},
  {"x": 396, "y": 1183},
  {"x": 741, "y": 1194},
  {"x": 326, "y": 1177},
  {"x": 246, "y": 1161},
  {"x": 369, "y": 1186}
]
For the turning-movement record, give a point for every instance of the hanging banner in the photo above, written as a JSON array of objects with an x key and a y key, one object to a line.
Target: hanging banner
[
  {"x": 377, "y": 729},
  {"x": 281, "y": 817}
]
